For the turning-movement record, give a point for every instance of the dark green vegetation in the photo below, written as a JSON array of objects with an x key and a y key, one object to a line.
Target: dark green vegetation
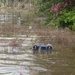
[{"x": 60, "y": 13}]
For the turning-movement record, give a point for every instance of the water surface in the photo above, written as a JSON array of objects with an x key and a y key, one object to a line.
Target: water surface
[{"x": 21, "y": 60}]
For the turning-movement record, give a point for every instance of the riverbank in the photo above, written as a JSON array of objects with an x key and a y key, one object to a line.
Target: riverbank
[{"x": 59, "y": 38}]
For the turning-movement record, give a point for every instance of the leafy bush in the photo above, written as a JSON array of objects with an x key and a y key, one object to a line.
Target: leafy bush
[{"x": 60, "y": 12}]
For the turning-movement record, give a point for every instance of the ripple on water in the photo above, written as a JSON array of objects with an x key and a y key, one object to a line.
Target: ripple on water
[
  {"x": 39, "y": 68},
  {"x": 14, "y": 70}
]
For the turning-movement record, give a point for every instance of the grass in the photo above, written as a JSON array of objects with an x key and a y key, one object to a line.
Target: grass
[
  {"x": 58, "y": 37},
  {"x": 13, "y": 30}
]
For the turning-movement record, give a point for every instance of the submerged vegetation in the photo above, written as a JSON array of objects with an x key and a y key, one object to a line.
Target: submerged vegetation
[
  {"x": 60, "y": 39},
  {"x": 53, "y": 21}
]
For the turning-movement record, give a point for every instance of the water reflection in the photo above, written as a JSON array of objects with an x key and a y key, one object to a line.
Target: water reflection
[
  {"x": 42, "y": 52},
  {"x": 35, "y": 52},
  {"x": 12, "y": 70},
  {"x": 25, "y": 61}
]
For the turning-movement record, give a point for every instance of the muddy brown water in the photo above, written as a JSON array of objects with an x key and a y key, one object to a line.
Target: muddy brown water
[{"x": 20, "y": 60}]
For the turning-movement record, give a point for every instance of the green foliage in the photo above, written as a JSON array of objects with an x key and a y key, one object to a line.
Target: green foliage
[
  {"x": 67, "y": 14},
  {"x": 73, "y": 27}
]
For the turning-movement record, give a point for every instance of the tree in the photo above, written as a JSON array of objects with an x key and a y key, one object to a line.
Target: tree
[{"x": 60, "y": 12}]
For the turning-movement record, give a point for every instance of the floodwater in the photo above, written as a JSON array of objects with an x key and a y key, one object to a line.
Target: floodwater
[{"x": 20, "y": 60}]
